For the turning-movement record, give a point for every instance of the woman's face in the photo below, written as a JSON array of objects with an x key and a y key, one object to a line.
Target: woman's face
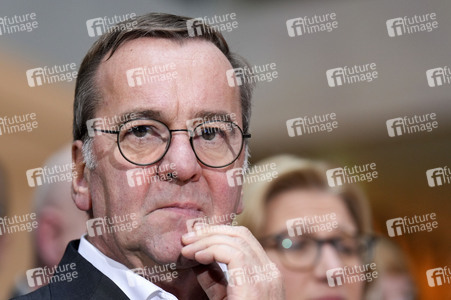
[{"x": 311, "y": 282}]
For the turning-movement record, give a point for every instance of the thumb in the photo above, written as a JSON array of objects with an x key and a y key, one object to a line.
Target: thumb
[{"x": 212, "y": 280}]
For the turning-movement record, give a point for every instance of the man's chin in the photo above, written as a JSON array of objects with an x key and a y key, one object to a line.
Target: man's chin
[{"x": 167, "y": 250}]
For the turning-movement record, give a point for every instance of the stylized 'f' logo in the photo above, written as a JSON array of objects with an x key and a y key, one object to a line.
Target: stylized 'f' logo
[
  {"x": 295, "y": 27},
  {"x": 235, "y": 177},
  {"x": 95, "y": 227},
  {"x": 435, "y": 77},
  {"x": 335, "y": 277},
  {"x": 236, "y": 277},
  {"x": 132, "y": 278},
  {"x": 435, "y": 177},
  {"x": 192, "y": 222},
  {"x": 335, "y": 77},
  {"x": 195, "y": 27},
  {"x": 295, "y": 226},
  {"x": 93, "y": 124},
  {"x": 395, "y": 227},
  {"x": 135, "y": 77},
  {"x": 335, "y": 177},
  {"x": 395, "y": 27},
  {"x": 95, "y": 27},
  {"x": 435, "y": 277},
  {"x": 235, "y": 77},
  {"x": 395, "y": 127},
  {"x": 35, "y": 277},
  {"x": 191, "y": 124},
  {"x": 294, "y": 127},
  {"x": 35, "y": 77},
  {"x": 135, "y": 177},
  {"x": 34, "y": 177}
]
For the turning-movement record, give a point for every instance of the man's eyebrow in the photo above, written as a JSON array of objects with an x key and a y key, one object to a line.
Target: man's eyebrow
[
  {"x": 138, "y": 114},
  {"x": 219, "y": 115},
  {"x": 157, "y": 115}
]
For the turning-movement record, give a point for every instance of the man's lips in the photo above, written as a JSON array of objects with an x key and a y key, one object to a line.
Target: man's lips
[{"x": 186, "y": 208}]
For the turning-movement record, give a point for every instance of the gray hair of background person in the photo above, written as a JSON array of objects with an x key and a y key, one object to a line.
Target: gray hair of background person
[{"x": 156, "y": 25}]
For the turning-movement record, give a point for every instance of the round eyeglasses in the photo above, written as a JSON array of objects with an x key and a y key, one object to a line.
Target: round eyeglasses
[
  {"x": 303, "y": 252},
  {"x": 143, "y": 142}
]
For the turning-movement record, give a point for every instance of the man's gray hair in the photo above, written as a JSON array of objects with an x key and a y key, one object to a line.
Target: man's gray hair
[{"x": 158, "y": 25}]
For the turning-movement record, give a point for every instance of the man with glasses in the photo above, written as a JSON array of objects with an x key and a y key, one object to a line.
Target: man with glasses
[{"x": 121, "y": 78}]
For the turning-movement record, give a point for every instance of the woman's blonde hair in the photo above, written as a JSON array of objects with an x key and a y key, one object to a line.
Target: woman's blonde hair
[{"x": 298, "y": 173}]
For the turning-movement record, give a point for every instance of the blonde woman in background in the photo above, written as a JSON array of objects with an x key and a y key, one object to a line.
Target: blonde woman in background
[{"x": 336, "y": 231}]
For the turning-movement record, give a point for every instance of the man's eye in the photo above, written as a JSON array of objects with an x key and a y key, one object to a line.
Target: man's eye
[
  {"x": 140, "y": 131},
  {"x": 209, "y": 133}
]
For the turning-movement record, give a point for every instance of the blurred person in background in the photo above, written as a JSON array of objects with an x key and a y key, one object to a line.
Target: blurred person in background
[
  {"x": 300, "y": 190},
  {"x": 395, "y": 281},
  {"x": 59, "y": 221},
  {"x": 3, "y": 204}
]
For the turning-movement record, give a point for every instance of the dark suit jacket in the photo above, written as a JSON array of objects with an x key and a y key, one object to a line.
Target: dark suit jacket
[{"x": 90, "y": 284}]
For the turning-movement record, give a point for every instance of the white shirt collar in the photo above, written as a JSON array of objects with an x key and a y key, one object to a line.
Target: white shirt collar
[{"x": 133, "y": 285}]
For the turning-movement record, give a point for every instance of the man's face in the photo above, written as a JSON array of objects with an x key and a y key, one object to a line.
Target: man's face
[{"x": 162, "y": 207}]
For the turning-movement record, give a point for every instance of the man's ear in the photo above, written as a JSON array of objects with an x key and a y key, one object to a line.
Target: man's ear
[{"x": 80, "y": 181}]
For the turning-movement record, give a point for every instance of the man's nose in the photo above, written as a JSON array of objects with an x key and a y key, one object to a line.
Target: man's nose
[
  {"x": 181, "y": 155},
  {"x": 329, "y": 259}
]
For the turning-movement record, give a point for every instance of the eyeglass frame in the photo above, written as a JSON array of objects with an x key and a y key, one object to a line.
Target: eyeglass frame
[
  {"x": 117, "y": 132},
  {"x": 371, "y": 239}
]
